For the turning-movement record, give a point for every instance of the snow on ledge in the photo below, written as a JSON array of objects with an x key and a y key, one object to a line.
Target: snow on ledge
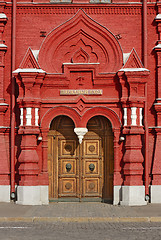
[
  {"x": 80, "y": 63},
  {"x": 158, "y": 16},
  {"x": 158, "y": 46},
  {"x": 28, "y": 70},
  {"x": 133, "y": 70},
  {"x": 4, "y": 104},
  {"x": 2, "y": 15},
  {"x": 3, "y": 46}
]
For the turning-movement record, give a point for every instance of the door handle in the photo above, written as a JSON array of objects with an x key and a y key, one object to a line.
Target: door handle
[
  {"x": 91, "y": 167},
  {"x": 68, "y": 167}
]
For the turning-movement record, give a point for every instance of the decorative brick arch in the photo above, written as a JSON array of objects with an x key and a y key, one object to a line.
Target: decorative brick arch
[
  {"x": 80, "y": 40},
  {"x": 57, "y": 111},
  {"x": 81, "y": 121},
  {"x": 77, "y": 119},
  {"x": 102, "y": 111}
]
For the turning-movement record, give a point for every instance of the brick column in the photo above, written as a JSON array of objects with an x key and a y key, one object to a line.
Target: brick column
[
  {"x": 4, "y": 157},
  {"x": 31, "y": 189},
  {"x": 133, "y": 84}
]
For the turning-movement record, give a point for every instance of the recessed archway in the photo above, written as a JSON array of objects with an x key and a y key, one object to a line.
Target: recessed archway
[{"x": 80, "y": 172}]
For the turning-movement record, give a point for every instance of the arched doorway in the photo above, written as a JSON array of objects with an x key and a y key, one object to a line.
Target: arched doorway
[{"x": 80, "y": 172}]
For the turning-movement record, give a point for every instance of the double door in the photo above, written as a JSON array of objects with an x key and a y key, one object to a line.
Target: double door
[{"x": 80, "y": 171}]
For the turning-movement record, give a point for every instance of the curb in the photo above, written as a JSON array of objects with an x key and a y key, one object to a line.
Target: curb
[{"x": 80, "y": 219}]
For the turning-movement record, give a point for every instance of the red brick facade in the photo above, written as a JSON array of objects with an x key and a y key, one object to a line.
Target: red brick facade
[{"x": 81, "y": 60}]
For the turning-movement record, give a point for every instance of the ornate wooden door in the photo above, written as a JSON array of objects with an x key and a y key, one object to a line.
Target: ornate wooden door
[
  {"x": 80, "y": 172},
  {"x": 92, "y": 167}
]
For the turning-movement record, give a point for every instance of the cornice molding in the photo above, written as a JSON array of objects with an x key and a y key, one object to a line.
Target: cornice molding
[{"x": 91, "y": 9}]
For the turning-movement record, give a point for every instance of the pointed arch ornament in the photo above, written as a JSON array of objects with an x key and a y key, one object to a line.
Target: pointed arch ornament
[{"x": 99, "y": 44}]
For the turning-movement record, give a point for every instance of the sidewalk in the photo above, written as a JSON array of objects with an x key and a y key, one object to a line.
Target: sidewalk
[{"x": 80, "y": 212}]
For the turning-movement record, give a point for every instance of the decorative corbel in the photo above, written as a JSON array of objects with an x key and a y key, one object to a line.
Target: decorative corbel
[{"x": 80, "y": 133}]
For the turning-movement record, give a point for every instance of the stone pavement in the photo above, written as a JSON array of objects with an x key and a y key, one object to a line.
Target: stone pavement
[
  {"x": 80, "y": 212},
  {"x": 80, "y": 231}
]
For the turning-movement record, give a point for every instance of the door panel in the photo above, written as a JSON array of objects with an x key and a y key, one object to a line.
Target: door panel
[
  {"x": 92, "y": 169},
  {"x": 67, "y": 148},
  {"x": 67, "y": 187},
  {"x": 81, "y": 171},
  {"x": 91, "y": 187},
  {"x": 91, "y": 148},
  {"x": 68, "y": 168}
]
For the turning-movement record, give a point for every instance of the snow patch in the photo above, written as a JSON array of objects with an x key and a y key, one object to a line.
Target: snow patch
[
  {"x": 133, "y": 70},
  {"x": 28, "y": 70},
  {"x": 2, "y": 15},
  {"x": 3, "y": 46},
  {"x": 158, "y": 46},
  {"x": 4, "y": 104},
  {"x": 158, "y": 16},
  {"x": 80, "y": 63}
]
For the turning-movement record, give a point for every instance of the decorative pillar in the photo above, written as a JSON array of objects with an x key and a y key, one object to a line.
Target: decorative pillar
[
  {"x": 155, "y": 188},
  {"x": 133, "y": 190},
  {"x": 32, "y": 190}
]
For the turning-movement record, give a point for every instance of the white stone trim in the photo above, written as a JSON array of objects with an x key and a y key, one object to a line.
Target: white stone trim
[
  {"x": 21, "y": 116},
  {"x": 133, "y": 116},
  {"x": 141, "y": 116},
  {"x": 36, "y": 116},
  {"x": 4, "y": 193},
  {"x": 32, "y": 195},
  {"x": 155, "y": 193},
  {"x": 28, "y": 116},
  {"x": 44, "y": 195},
  {"x": 133, "y": 196},
  {"x": 125, "y": 116},
  {"x": 80, "y": 133},
  {"x": 117, "y": 195}
]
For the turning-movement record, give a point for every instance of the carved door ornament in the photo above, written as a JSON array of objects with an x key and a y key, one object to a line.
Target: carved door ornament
[
  {"x": 91, "y": 167},
  {"x": 68, "y": 167}
]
